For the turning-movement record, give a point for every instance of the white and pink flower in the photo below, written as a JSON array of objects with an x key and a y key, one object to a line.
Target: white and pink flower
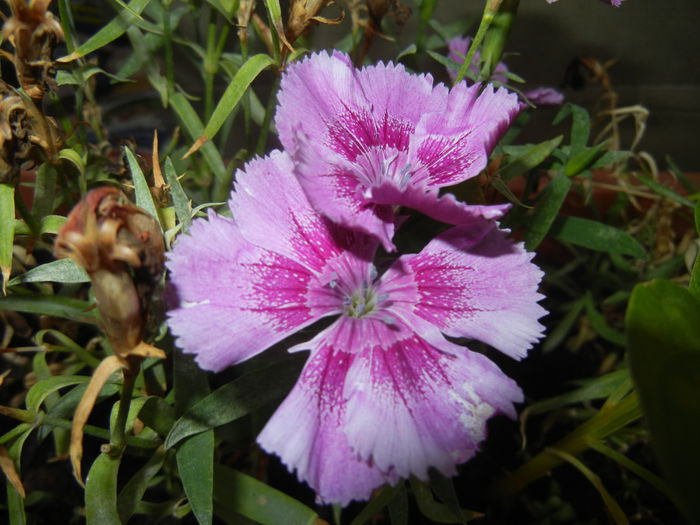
[{"x": 383, "y": 395}]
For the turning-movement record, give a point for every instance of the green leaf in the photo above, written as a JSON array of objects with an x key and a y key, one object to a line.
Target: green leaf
[
  {"x": 596, "y": 236},
  {"x": 233, "y": 94},
  {"x": 433, "y": 509},
  {"x": 44, "y": 191},
  {"x": 195, "y": 464},
  {"x": 235, "y": 492},
  {"x": 60, "y": 271},
  {"x": 694, "y": 285},
  {"x": 133, "y": 491},
  {"x": 533, "y": 156},
  {"x": 101, "y": 491},
  {"x": 381, "y": 499},
  {"x": 51, "y": 224},
  {"x": 142, "y": 192},
  {"x": 7, "y": 231},
  {"x": 398, "y": 506},
  {"x": 39, "y": 391},
  {"x": 189, "y": 119},
  {"x": 664, "y": 191},
  {"x": 663, "y": 337},
  {"x": 546, "y": 210},
  {"x": 15, "y": 503},
  {"x": 591, "y": 389},
  {"x": 583, "y": 160},
  {"x": 110, "y": 32},
  {"x": 75, "y": 158},
  {"x": 181, "y": 203},
  {"x": 557, "y": 336},
  {"x": 52, "y": 305},
  {"x": 236, "y": 399},
  {"x": 580, "y": 126},
  {"x": 600, "y": 325}
]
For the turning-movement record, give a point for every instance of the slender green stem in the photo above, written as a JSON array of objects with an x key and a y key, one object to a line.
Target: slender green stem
[
  {"x": 18, "y": 430},
  {"x": 486, "y": 19},
  {"x": 99, "y": 432},
  {"x": 496, "y": 37},
  {"x": 118, "y": 438}
]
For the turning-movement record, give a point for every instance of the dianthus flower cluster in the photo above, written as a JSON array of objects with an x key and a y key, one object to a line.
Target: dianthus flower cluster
[{"x": 386, "y": 393}]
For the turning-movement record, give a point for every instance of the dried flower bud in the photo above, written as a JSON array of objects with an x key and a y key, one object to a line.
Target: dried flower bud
[
  {"x": 26, "y": 134},
  {"x": 34, "y": 33},
  {"x": 121, "y": 247},
  {"x": 303, "y": 14}
]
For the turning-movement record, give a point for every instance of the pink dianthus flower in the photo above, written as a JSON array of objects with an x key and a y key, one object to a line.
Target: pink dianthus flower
[{"x": 383, "y": 395}]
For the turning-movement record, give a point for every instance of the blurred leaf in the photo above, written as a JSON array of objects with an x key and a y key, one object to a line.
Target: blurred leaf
[
  {"x": 580, "y": 126},
  {"x": 7, "y": 231},
  {"x": 15, "y": 502},
  {"x": 236, "y": 399},
  {"x": 136, "y": 487},
  {"x": 60, "y": 271},
  {"x": 398, "y": 506},
  {"x": 664, "y": 190},
  {"x": 110, "y": 32},
  {"x": 81, "y": 75},
  {"x": 239, "y": 493},
  {"x": 75, "y": 158},
  {"x": 55, "y": 306},
  {"x": 39, "y": 391},
  {"x": 101, "y": 491},
  {"x": 181, "y": 202},
  {"x": 694, "y": 285},
  {"x": 596, "y": 236},
  {"x": 142, "y": 192},
  {"x": 557, "y": 336},
  {"x": 157, "y": 414},
  {"x": 445, "y": 490},
  {"x": 195, "y": 465},
  {"x": 546, "y": 210},
  {"x": 433, "y": 509},
  {"x": 409, "y": 50},
  {"x": 188, "y": 117},
  {"x": 611, "y": 505},
  {"x": 381, "y": 499},
  {"x": 583, "y": 160},
  {"x": 134, "y": 408},
  {"x": 233, "y": 94},
  {"x": 7, "y": 465},
  {"x": 663, "y": 335},
  {"x": 51, "y": 224},
  {"x": 531, "y": 157},
  {"x": 678, "y": 173},
  {"x": 600, "y": 325},
  {"x": 596, "y": 388},
  {"x": 44, "y": 191},
  {"x": 610, "y": 157}
]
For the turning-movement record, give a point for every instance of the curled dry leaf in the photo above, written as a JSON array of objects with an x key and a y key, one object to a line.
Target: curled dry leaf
[
  {"x": 8, "y": 467},
  {"x": 303, "y": 15}
]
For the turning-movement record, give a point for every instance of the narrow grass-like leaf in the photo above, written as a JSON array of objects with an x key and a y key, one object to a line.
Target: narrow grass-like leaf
[
  {"x": 597, "y": 388},
  {"x": 53, "y": 305},
  {"x": 600, "y": 325},
  {"x": 182, "y": 205},
  {"x": 445, "y": 490},
  {"x": 546, "y": 210},
  {"x": 110, "y": 32},
  {"x": 613, "y": 507},
  {"x": 233, "y": 94},
  {"x": 580, "y": 126},
  {"x": 431, "y": 508},
  {"x": 142, "y": 192},
  {"x": 44, "y": 191},
  {"x": 40, "y": 390},
  {"x": 195, "y": 464},
  {"x": 60, "y": 271},
  {"x": 664, "y": 191},
  {"x": 15, "y": 502},
  {"x": 583, "y": 160},
  {"x": 376, "y": 504},
  {"x": 557, "y": 336},
  {"x": 239, "y": 493},
  {"x": 596, "y": 236},
  {"x": 398, "y": 506},
  {"x": 133, "y": 491},
  {"x": 101, "y": 491},
  {"x": 7, "y": 465},
  {"x": 7, "y": 231},
  {"x": 237, "y": 399},
  {"x": 189, "y": 119},
  {"x": 532, "y": 157},
  {"x": 694, "y": 284},
  {"x": 663, "y": 342}
]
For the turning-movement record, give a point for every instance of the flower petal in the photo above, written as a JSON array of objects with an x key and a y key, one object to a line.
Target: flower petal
[
  {"x": 236, "y": 299},
  {"x": 306, "y": 432},
  {"x": 412, "y": 405},
  {"x": 272, "y": 212},
  {"x": 444, "y": 208},
  {"x": 475, "y": 285},
  {"x": 454, "y": 145}
]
